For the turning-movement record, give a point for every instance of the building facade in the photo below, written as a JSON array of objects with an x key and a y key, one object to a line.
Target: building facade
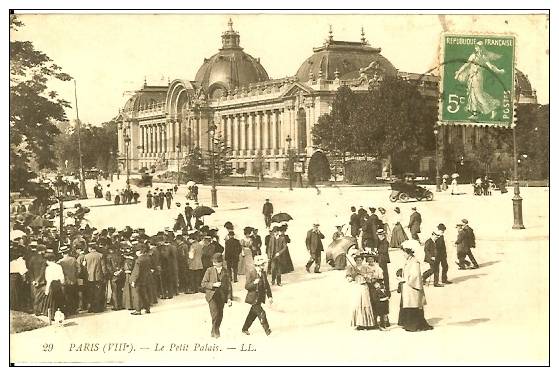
[{"x": 255, "y": 116}]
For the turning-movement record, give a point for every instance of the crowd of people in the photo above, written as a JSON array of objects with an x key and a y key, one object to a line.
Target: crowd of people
[{"x": 90, "y": 270}]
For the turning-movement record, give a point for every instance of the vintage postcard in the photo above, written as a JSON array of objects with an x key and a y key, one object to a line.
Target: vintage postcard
[{"x": 279, "y": 189}]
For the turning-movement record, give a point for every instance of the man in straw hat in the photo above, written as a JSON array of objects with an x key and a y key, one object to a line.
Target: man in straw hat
[
  {"x": 431, "y": 258},
  {"x": 218, "y": 289},
  {"x": 315, "y": 247},
  {"x": 258, "y": 288}
]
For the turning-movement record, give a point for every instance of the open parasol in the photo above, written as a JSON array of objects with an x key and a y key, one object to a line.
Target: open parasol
[
  {"x": 339, "y": 247},
  {"x": 202, "y": 211},
  {"x": 281, "y": 217},
  {"x": 445, "y": 176},
  {"x": 190, "y": 183},
  {"x": 455, "y": 175}
]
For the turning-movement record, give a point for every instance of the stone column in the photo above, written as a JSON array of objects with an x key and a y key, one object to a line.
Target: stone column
[
  {"x": 258, "y": 130},
  {"x": 250, "y": 132},
  {"x": 310, "y": 125},
  {"x": 265, "y": 131},
  {"x": 242, "y": 132},
  {"x": 294, "y": 128},
  {"x": 274, "y": 130},
  {"x": 228, "y": 130}
]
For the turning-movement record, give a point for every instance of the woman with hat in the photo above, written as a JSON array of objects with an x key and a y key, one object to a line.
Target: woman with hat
[
  {"x": 246, "y": 259},
  {"x": 411, "y": 316},
  {"x": 54, "y": 277},
  {"x": 128, "y": 291},
  {"x": 398, "y": 234},
  {"x": 359, "y": 275},
  {"x": 285, "y": 262}
]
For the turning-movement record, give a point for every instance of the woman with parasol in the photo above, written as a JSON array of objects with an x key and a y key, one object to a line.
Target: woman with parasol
[
  {"x": 359, "y": 275},
  {"x": 454, "y": 184},
  {"x": 411, "y": 316},
  {"x": 444, "y": 185}
]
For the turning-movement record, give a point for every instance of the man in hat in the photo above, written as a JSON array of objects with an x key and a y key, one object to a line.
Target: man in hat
[
  {"x": 431, "y": 258},
  {"x": 156, "y": 199},
  {"x": 169, "y": 198},
  {"x": 415, "y": 224},
  {"x": 115, "y": 268},
  {"x": 277, "y": 245},
  {"x": 182, "y": 264},
  {"x": 267, "y": 211},
  {"x": 256, "y": 243},
  {"x": 314, "y": 247},
  {"x": 383, "y": 257},
  {"x": 149, "y": 200},
  {"x": 370, "y": 230},
  {"x": 441, "y": 254},
  {"x": 195, "y": 266},
  {"x": 461, "y": 246},
  {"x": 354, "y": 222},
  {"x": 217, "y": 285},
  {"x": 188, "y": 216},
  {"x": 470, "y": 242},
  {"x": 258, "y": 289},
  {"x": 161, "y": 199},
  {"x": 96, "y": 274},
  {"x": 139, "y": 280},
  {"x": 232, "y": 252},
  {"x": 208, "y": 250},
  {"x": 71, "y": 269}
]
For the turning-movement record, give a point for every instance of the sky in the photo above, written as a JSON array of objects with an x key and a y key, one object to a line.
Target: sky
[{"x": 110, "y": 54}]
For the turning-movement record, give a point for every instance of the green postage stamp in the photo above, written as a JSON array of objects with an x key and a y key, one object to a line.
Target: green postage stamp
[{"x": 477, "y": 80}]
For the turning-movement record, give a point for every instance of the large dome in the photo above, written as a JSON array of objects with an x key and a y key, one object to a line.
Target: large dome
[
  {"x": 344, "y": 59},
  {"x": 230, "y": 68}
]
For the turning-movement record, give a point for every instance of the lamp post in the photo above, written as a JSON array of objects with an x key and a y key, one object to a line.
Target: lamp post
[
  {"x": 178, "y": 165},
  {"x": 111, "y": 162},
  {"x": 212, "y": 131},
  {"x": 58, "y": 186},
  {"x": 516, "y": 199},
  {"x": 438, "y": 177},
  {"x": 83, "y": 192},
  {"x": 290, "y": 161}
]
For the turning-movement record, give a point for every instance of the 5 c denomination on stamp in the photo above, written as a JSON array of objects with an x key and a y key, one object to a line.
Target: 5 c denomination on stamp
[{"x": 477, "y": 80}]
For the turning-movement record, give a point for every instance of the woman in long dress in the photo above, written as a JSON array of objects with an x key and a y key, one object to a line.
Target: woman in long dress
[
  {"x": 128, "y": 293},
  {"x": 358, "y": 275},
  {"x": 245, "y": 259},
  {"x": 286, "y": 265},
  {"x": 398, "y": 234},
  {"x": 411, "y": 316},
  {"x": 454, "y": 186}
]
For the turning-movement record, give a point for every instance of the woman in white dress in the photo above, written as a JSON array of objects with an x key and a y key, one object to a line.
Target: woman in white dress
[
  {"x": 246, "y": 261},
  {"x": 359, "y": 275}
]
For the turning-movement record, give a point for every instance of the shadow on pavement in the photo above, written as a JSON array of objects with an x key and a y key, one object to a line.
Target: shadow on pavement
[
  {"x": 471, "y": 322},
  {"x": 434, "y": 321},
  {"x": 460, "y": 279},
  {"x": 488, "y": 263}
]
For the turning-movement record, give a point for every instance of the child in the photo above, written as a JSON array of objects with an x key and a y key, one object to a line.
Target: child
[{"x": 380, "y": 304}]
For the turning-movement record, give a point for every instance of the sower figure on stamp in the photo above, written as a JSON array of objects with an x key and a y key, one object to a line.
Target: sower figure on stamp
[
  {"x": 217, "y": 285},
  {"x": 315, "y": 247},
  {"x": 258, "y": 289}
]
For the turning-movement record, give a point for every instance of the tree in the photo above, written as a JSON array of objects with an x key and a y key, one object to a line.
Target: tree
[
  {"x": 222, "y": 158},
  {"x": 34, "y": 109},
  {"x": 319, "y": 168},
  {"x": 194, "y": 166}
]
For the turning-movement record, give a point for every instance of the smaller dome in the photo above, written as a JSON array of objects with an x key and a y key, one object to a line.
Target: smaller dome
[
  {"x": 524, "y": 85},
  {"x": 148, "y": 95},
  {"x": 230, "y": 68}
]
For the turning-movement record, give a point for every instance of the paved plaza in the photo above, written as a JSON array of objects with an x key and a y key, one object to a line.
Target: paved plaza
[{"x": 496, "y": 314}]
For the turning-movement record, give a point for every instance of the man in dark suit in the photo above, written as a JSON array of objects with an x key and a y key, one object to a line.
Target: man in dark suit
[
  {"x": 267, "y": 211},
  {"x": 188, "y": 216},
  {"x": 470, "y": 242},
  {"x": 218, "y": 289},
  {"x": 371, "y": 226},
  {"x": 354, "y": 222},
  {"x": 431, "y": 258},
  {"x": 383, "y": 257},
  {"x": 276, "y": 247},
  {"x": 461, "y": 246},
  {"x": 258, "y": 289},
  {"x": 232, "y": 252},
  {"x": 441, "y": 254},
  {"x": 415, "y": 224},
  {"x": 97, "y": 273},
  {"x": 139, "y": 280},
  {"x": 315, "y": 247}
]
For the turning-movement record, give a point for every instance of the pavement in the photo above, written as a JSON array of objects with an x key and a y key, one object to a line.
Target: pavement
[{"x": 498, "y": 314}]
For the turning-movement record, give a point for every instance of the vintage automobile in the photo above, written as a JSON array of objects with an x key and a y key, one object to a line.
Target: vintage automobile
[
  {"x": 403, "y": 191},
  {"x": 145, "y": 180}
]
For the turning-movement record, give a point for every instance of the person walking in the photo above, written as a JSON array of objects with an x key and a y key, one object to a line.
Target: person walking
[
  {"x": 354, "y": 222},
  {"x": 232, "y": 252},
  {"x": 431, "y": 258},
  {"x": 217, "y": 286},
  {"x": 246, "y": 258},
  {"x": 461, "y": 246},
  {"x": 169, "y": 198},
  {"x": 415, "y": 224},
  {"x": 195, "y": 266},
  {"x": 188, "y": 216},
  {"x": 314, "y": 247},
  {"x": 71, "y": 269},
  {"x": 276, "y": 247},
  {"x": 96, "y": 276},
  {"x": 362, "y": 317},
  {"x": 258, "y": 289},
  {"x": 149, "y": 200},
  {"x": 470, "y": 242},
  {"x": 267, "y": 211},
  {"x": 398, "y": 234},
  {"x": 161, "y": 199},
  {"x": 139, "y": 280},
  {"x": 383, "y": 257},
  {"x": 441, "y": 254}
]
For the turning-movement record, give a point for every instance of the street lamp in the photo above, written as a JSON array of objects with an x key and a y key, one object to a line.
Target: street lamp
[
  {"x": 516, "y": 199},
  {"x": 178, "y": 165},
  {"x": 438, "y": 177},
  {"x": 290, "y": 161},
  {"x": 111, "y": 161},
  {"x": 212, "y": 131},
  {"x": 58, "y": 186}
]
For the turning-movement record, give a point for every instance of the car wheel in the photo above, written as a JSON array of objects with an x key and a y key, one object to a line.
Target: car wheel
[
  {"x": 404, "y": 197},
  {"x": 393, "y": 197},
  {"x": 429, "y": 196}
]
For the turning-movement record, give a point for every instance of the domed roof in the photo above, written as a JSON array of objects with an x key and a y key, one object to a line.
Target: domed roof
[
  {"x": 230, "y": 68},
  {"x": 523, "y": 83},
  {"x": 344, "y": 58}
]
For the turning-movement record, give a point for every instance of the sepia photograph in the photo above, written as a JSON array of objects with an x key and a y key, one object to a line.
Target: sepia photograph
[{"x": 279, "y": 188}]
